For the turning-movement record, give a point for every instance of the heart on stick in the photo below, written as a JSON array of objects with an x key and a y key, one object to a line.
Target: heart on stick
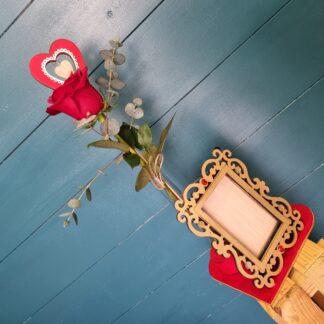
[{"x": 63, "y": 69}]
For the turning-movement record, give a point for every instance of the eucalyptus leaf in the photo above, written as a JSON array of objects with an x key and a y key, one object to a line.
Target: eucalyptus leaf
[
  {"x": 132, "y": 159},
  {"x": 143, "y": 178},
  {"x": 102, "y": 82},
  {"x": 138, "y": 101},
  {"x": 74, "y": 203},
  {"x": 164, "y": 134},
  {"x": 106, "y": 54},
  {"x": 117, "y": 84},
  {"x": 110, "y": 145},
  {"x": 110, "y": 65},
  {"x": 88, "y": 194},
  {"x": 119, "y": 59},
  {"x": 144, "y": 136},
  {"x": 114, "y": 74},
  {"x": 75, "y": 218}
]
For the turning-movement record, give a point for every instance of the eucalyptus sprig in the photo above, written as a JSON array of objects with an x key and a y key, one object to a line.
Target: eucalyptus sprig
[
  {"x": 75, "y": 203},
  {"x": 135, "y": 142}
]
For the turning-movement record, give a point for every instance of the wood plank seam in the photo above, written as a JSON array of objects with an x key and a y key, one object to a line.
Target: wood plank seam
[
  {"x": 228, "y": 303},
  {"x": 303, "y": 178},
  {"x": 188, "y": 92},
  {"x": 276, "y": 115},
  {"x": 162, "y": 284},
  {"x": 222, "y": 61},
  {"x": 16, "y": 18},
  {"x": 120, "y": 243}
]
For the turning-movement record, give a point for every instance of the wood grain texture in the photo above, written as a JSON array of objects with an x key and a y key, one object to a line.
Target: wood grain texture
[{"x": 298, "y": 308}]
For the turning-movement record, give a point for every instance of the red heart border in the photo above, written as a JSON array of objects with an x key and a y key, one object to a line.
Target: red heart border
[{"x": 38, "y": 62}]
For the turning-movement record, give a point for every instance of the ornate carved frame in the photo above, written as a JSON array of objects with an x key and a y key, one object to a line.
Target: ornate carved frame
[{"x": 260, "y": 269}]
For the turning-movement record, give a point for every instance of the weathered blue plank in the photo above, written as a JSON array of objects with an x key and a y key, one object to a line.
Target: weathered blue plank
[
  {"x": 310, "y": 191},
  {"x": 22, "y": 100},
  {"x": 9, "y": 11},
  {"x": 188, "y": 297},
  {"x": 136, "y": 265},
  {"x": 264, "y": 76}
]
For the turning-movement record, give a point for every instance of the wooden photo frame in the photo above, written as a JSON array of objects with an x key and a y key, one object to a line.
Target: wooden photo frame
[{"x": 241, "y": 218}]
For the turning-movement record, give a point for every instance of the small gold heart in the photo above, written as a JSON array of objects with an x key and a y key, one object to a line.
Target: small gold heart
[{"x": 63, "y": 69}]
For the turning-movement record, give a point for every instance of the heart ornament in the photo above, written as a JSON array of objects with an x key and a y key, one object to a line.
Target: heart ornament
[{"x": 53, "y": 68}]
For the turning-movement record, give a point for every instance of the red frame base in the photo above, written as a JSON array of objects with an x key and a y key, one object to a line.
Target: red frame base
[{"x": 224, "y": 269}]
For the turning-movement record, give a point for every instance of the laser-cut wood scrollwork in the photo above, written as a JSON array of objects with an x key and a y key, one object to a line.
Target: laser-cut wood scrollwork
[{"x": 261, "y": 271}]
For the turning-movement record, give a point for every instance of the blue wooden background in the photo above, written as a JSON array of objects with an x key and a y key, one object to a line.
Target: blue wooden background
[{"x": 245, "y": 75}]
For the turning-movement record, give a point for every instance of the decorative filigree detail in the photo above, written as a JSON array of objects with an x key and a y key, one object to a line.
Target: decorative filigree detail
[
  {"x": 53, "y": 58},
  {"x": 262, "y": 274}
]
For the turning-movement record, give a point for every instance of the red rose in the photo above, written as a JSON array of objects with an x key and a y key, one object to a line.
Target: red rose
[{"x": 76, "y": 97}]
